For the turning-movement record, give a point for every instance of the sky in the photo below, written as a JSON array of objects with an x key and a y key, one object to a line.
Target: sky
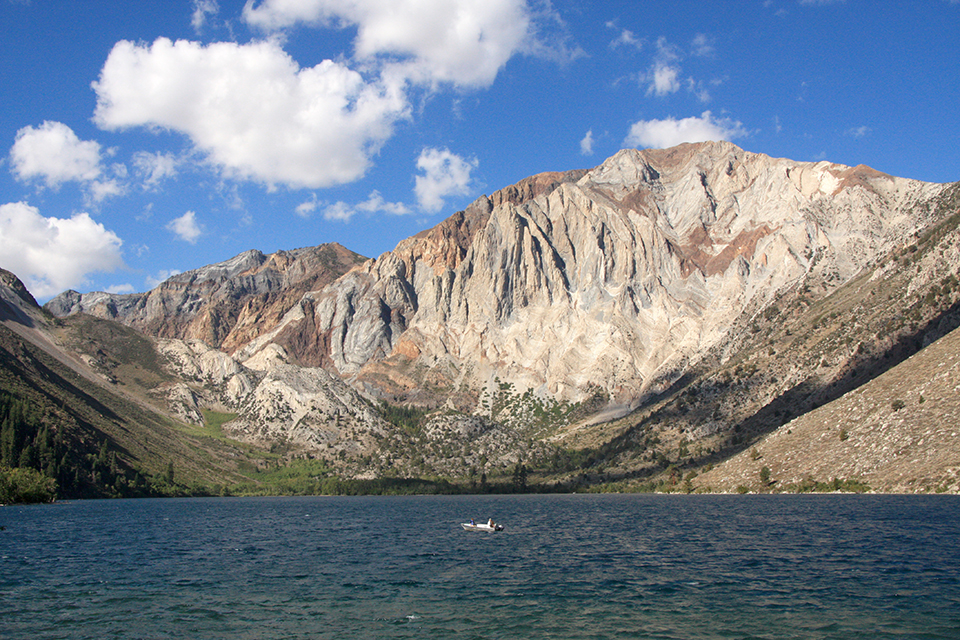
[{"x": 143, "y": 139}]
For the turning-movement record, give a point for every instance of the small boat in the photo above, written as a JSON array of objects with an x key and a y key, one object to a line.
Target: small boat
[{"x": 473, "y": 526}]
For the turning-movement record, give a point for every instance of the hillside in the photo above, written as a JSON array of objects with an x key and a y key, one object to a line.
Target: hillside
[
  {"x": 898, "y": 433},
  {"x": 76, "y": 403}
]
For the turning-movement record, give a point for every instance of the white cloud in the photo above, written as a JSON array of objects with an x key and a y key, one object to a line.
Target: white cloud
[
  {"x": 626, "y": 38},
  {"x": 586, "y": 144},
  {"x": 304, "y": 209},
  {"x": 376, "y": 204},
  {"x": 338, "y": 211},
  {"x": 121, "y": 288},
  {"x": 155, "y": 167},
  {"x": 664, "y": 75},
  {"x": 344, "y": 211},
  {"x": 102, "y": 189},
  {"x": 670, "y": 132},
  {"x": 160, "y": 278},
  {"x": 445, "y": 174},
  {"x": 702, "y": 45},
  {"x": 463, "y": 42},
  {"x": 251, "y": 109},
  {"x": 52, "y": 255},
  {"x": 664, "y": 79},
  {"x": 202, "y": 9},
  {"x": 858, "y": 132},
  {"x": 54, "y": 153},
  {"x": 696, "y": 88},
  {"x": 186, "y": 227}
]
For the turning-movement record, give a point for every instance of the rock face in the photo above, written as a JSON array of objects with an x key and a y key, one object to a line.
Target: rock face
[
  {"x": 569, "y": 290},
  {"x": 617, "y": 278},
  {"x": 225, "y": 304}
]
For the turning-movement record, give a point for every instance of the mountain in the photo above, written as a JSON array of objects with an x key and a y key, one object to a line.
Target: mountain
[
  {"x": 615, "y": 279},
  {"x": 630, "y": 324},
  {"x": 96, "y": 436},
  {"x": 898, "y": 431},
  {"x": 225, "y": 304}
]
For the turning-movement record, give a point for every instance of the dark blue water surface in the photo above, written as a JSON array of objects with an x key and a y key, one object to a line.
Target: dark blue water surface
[{"x": 572, "y": 566}]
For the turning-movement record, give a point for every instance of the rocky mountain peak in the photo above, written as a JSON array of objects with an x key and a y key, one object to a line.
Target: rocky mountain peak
[
  {"x": 225, "y": 304},
  {"x": 16, "y": 303},
  {"x": 12, "y": 283},
  {"x": 616, "y": 277},
  {"x": 701, "y": 294}
]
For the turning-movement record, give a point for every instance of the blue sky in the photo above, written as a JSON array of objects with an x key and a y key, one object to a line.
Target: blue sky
[{"x": 142, "y": 139}]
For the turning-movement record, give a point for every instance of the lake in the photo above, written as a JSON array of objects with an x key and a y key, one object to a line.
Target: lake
[{"x": 566, "y": 566}]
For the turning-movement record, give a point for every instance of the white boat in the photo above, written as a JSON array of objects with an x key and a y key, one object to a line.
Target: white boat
[{"x": 473, "y": 526}]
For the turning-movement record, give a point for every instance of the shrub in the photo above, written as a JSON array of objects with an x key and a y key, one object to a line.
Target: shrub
[
  {"x": 20, "y": 485},
  {"x": 765, "y": 475}
]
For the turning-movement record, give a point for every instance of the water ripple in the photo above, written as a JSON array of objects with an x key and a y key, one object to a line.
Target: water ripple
[{"x": 648, "y": 567}]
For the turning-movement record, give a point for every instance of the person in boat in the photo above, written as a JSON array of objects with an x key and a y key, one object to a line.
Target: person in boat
[
  {"x": 472, "y": 521},
  {"x": 490, "y": 523}
]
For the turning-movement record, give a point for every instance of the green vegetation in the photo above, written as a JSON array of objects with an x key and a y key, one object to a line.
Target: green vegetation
[
  {"x": 809, "y": 485},
  {"x": 39, "y": 464},
  {"x": 297, "y": 478},
  {"x": 765, "y": 476},
  {"x": 25, "y": 485},
  {"x": 213, "y": 422},
  {"x": 407, "y": 418}
]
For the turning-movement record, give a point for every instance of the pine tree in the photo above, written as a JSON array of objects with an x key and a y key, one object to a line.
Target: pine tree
[
  {"x": 27, "y": 457},
  {"x": 520, "y": 477},
  {"x": 9, "y": 454}
]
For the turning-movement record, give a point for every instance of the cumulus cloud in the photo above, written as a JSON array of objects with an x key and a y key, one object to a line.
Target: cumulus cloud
[
  {"x": 586, "y": 144},
  {"x": 53, "y": 153},
  {"x": 660, "y": 134},
  {"x": 52, "y": 255},
  {"x": 858, "y": 132},
  {"x": 445, "y": 174},
  {"x": 376, "y": 204},
  {"x": 102, "y": 189},
  {"x": 186, "y": 227},
  {"x": 251, "y": 109},
  {"x": 253, "y": 113},
  {"x": 463, "y": 42},
  {"x": 344, "y": 211}
]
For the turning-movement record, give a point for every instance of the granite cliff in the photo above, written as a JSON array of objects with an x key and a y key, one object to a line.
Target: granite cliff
[{"x": 602, "y": 310}]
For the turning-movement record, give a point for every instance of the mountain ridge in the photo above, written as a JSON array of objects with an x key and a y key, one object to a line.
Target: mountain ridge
[{"x": 665, "y": 302}]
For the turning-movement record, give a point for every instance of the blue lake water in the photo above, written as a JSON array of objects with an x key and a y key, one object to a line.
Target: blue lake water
[{"x": 571, "y": 566}]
